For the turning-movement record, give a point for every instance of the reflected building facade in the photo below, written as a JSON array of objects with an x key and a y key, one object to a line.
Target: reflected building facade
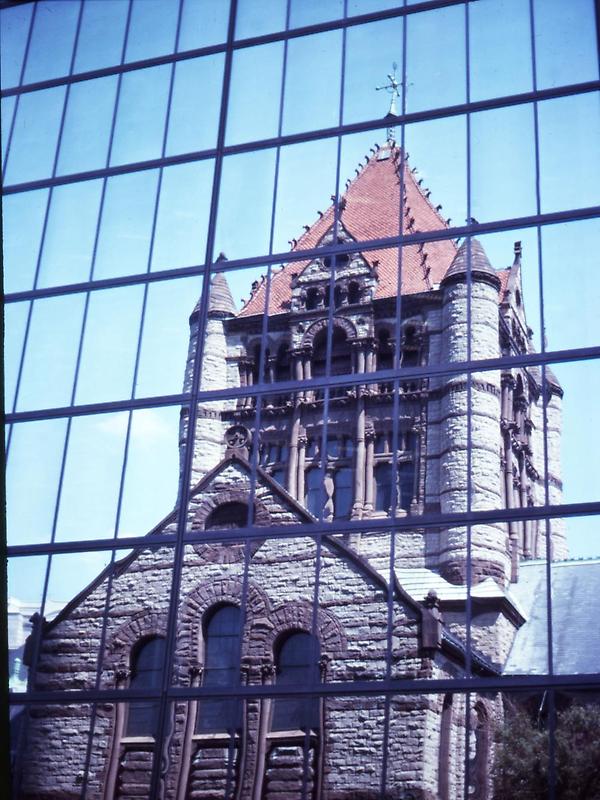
[{"x": 302, "y": 611}]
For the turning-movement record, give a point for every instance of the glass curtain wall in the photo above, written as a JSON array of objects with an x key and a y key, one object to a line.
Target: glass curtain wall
[{"x": 220, "y": 585}]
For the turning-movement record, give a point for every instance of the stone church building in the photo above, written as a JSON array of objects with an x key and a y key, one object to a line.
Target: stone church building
[{"x": 407, "y": 442}]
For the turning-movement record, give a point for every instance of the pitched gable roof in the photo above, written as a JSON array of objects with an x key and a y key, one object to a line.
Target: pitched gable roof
[
  {"x": 302, "y": 516},
  {"x": 372, "y": 211}
]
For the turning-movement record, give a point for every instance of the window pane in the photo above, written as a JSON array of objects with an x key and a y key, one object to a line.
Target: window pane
[
  {"x": 7, "y": 106},
  {"x": 367, "y": 67},
  {"x": 570, "y": 124},
  {"x": 15, "y": 321},
  {"x": 52, "y": 40},
  {"x": 221, "y": 669},
  {"x": 23, "y": 218},
  {"x": 250, "y": 23},
  {"x": 101, "y": 36},
  {"x": 152, "y": 29},
  {"x": 70, "y": 234},
  {"x": 147, "y": 665},
  {"x": 13, "y": 39},
  {"x": 109, "y": 345},
  {"x": 151, "y": 476},
  {"x": 36, "y": 450},
  {"x": 140, "y": 123},
  {"x": 305, "y": 183},
  {"x": 435, "y": 70},
  {"x": 195, "y": 105},
  {"x": 319, "y": 107},
  {"x": 33, "y": 146},
  {"x": 502, "y": 157},
  {"x": 51, "y": 354},
  {"x": 565, "y": 42},
  {"x": 203, "y": 22},
  {"x": 254, "y": 94},
  {"x": 311, "y": 12},
  {"x": 165, "y": 337},
  {"x": 183, "y": 209},
  {"x": 296, "y": 666},
  {"x": 244, "y": 220},
  {"x": 124, "y": 241},
  {"x": 84, "y": 143},
  {"x": 571, "y": 307},
  {"x": 492, "y": 25},
  {"x": 92, "y": 477}
]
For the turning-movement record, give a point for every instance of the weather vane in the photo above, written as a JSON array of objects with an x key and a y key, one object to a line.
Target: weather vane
[{"x": 393, "y": 88}]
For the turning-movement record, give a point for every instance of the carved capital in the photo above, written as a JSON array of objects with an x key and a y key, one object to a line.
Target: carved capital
[
  {"x": 324, "y": 663},
  {"x": 507, "y": 380},
  {"x": 245, "y": 670},
  {"x": 267, "y": 671},
  {"x": 122, "y": 674}
]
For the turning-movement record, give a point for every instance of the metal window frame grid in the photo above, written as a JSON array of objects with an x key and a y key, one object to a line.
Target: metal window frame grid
[{"x": 386, "y": 687}]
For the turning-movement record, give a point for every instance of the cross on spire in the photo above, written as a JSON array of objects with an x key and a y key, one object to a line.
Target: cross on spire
[{"x": 393, "y": 89}]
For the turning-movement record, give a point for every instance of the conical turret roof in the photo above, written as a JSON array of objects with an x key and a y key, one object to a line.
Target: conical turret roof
[
  {"x": 370, "y": 209},
  {"x": 221, "y": 301},
  {"x": 480, "y": 263}
]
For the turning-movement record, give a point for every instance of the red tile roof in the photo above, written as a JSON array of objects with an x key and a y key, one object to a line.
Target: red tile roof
[
  {"x": 372, "y": 211},
  {"x": 504, "y": 275}
]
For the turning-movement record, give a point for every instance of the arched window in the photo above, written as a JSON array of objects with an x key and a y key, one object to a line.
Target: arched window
[
  {"x": 146, "y": 669},
  {"x": 353, "y": 293},
  {"x": 296, "y": 662},
  {"x": 222, "y": 670},
  {"x": 227, "y": 515},
  {"x": 316, "y": 297},
  {"x": 342, "y": 493},
  {"x": 385, "y": 350},
  {"x": 383, "y": 487},
  {"x": 255, "y": 368},
  {"x": 319, "y": 354},
  {"x": 283, "y": 363},
  {"x": 341, "y": 356},
  {"x": 411, "y": 356},
  {"x": 313, "y": 499},
  {"x": 406, "y": 484}
]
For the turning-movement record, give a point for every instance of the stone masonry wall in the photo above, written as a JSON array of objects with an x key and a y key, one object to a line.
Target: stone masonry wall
[{"x": 351, "y": 622}]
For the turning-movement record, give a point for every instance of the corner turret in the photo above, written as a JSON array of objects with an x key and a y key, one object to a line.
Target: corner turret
[
  {"x": 208, "y": 438},
  {"x": 489, "y": 550}
]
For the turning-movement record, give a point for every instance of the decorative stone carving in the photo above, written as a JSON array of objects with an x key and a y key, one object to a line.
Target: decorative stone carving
[{"x": 237, "y": 439}]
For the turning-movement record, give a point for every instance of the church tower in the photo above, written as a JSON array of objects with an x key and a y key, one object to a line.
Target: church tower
[
  {"x": 464, "y": 443},
  {"x": 208, "y": 438}
]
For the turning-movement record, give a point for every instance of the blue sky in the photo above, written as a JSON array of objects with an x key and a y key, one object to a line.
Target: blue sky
[{"x": 502, "y": 184}]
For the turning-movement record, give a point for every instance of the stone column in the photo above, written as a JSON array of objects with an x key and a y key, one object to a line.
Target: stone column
[
  {"x": 292, "y": 474},
  {"x": 264, "y": 713},
  {"x": 297, "y": 372},
  {"x": 554, "y": 394},
  {"x": 359, "y": 469},
  {"x": 369, "y": 471},
  {"x": 302, "y": 442},
  {"x": 307, "y": 372}
]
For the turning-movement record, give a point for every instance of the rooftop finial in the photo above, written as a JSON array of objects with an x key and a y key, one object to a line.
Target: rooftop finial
[
  {"x": 393, "y": 88},
  {"x": 518, "y": 252}
]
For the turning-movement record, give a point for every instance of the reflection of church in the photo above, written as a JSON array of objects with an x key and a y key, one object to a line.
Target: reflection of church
[{"x": 385, "y": 441}]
